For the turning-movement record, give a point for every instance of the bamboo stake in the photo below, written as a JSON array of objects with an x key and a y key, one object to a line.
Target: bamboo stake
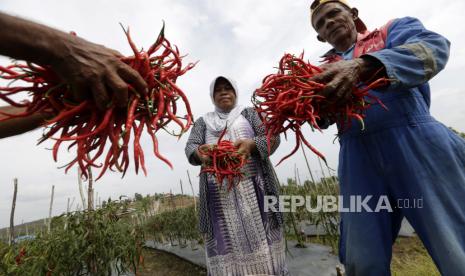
[
  {"x": 193, "y": 193},
  {"x": 12, "y": 216},
  {"x": 81, "y": 192},
  {"x": 8, "y": 237},
  {"x": 173, "y": 206},
  {"x": 322, "y": 171},
  {"x": 308, "y": 165},
  {"x": 72, "y": 203},
  {"x": 67, "y": 214},
  {"x": 90, "y": 191},
  {"x": 49, "y": 224},
  {"x": 295, "y": 174},
  {"x": 182, "y": 193}
]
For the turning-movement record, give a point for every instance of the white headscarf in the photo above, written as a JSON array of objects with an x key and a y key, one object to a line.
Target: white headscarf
[{"x": 217, "y": 120}]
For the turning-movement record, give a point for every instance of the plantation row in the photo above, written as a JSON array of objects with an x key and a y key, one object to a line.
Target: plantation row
[{"x": 110, "y": 239}]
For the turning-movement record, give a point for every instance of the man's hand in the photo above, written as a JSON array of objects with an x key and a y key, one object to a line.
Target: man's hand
[
  {"x": 342, "y": 76},
  {"x": 203, "y": 158},
  {"x": 92, "y": 69},
  {"x": 245, "y": 147}
]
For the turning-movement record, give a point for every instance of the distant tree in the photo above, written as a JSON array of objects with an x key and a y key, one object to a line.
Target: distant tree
[
  {"x": 138, "y": 196},
  {"x": 291, "y": 182}
]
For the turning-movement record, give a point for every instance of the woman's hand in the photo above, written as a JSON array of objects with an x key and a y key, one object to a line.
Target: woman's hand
[
  {"x": 203, "y": 158},
  {"x": 245, "y": 147}
]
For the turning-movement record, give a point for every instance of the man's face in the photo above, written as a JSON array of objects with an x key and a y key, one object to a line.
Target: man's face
[{"x": 335, "y": 24}]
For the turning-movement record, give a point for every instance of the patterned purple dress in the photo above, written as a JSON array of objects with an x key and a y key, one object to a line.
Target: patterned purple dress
[{"x": 240, "y": 238}]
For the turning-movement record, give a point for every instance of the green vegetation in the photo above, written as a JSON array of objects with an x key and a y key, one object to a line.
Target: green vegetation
[
  {"x": 329, "y": 221},
  {"x": 178, "y": 225},
  {"x": 83, "y": 243}
]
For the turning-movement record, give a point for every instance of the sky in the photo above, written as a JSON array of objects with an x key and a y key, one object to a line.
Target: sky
[{"x": 240, "y": 39}]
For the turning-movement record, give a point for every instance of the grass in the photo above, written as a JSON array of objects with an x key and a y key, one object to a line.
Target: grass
[
  {"x": 409, "y": 257},
  {"x": 158, "y": 263}
]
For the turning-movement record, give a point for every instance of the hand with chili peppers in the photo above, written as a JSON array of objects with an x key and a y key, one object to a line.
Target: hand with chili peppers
[
  {"x": 91, "y": 70},
  {"x": 94, "y": 70},
  {"x": 225, "y": 160},
  {"x": 204, "y": 159},
  {"x": 245, "y": 147},
  {"x": 340, "y": 77},
  {"x": 297, "y": 95},
  {"x": 83, "y": 124}
]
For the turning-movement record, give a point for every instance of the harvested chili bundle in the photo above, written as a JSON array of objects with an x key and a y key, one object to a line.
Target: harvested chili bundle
[
  {"x": 289, "y": 99},
  {"x": 226, "y": 162},
  {"x": 105, "y": 135}
]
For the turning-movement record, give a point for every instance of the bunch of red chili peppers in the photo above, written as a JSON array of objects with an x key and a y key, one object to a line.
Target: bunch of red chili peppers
[
  {"x": 288, "y": 99},
  {"x": 90, "y": 130},
  {"x": 226, "y": 162}
]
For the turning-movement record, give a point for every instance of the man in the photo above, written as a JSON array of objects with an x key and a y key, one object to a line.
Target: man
[
  {"x": 90, "y": 69},
  {"x": 404, "y": 154}
]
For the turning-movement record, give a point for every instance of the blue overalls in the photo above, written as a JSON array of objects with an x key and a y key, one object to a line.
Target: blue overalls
[{"x": 404, "y": 154}]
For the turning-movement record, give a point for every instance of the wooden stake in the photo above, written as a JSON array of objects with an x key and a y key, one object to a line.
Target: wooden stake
[
  {"x": 49, "y": 224},
  {"x": 12, "y": 216},
  {"x": 193, "y": 193},
  {"x": 173, "y": 206},
  {"x": 308, "y": 165},
  {"x": 90, "y": 191},
  {"x": 182, "y": 193},
  {"x": 72, "y": 203},
  {"x": 81, "y": 192}
]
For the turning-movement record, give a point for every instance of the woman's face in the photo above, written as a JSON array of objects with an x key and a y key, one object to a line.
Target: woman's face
[{"x": 224, "y": 95}]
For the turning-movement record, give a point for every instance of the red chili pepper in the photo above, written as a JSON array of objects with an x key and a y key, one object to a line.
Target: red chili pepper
[
  {"x": 88, "y": 128},
  {"x": 289, "y": 99},
  {"x": 227, "y": 162}
]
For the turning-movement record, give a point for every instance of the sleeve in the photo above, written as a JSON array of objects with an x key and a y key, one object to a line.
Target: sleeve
[
  {"x": 413, "y": 54},
  {"x": 196, "y": 139},
  {"x": 260, "y": 136}
]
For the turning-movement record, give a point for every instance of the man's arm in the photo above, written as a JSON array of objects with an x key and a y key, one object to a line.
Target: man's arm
[
  {"x": 412, "y": 57},
  {"x": 414, "y": 54},
  {"x": 19, "y": 125},
  {"x": 83, "y": 65}
]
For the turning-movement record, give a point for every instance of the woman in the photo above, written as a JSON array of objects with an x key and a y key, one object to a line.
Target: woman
[{"x": 240, "y": 238}]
